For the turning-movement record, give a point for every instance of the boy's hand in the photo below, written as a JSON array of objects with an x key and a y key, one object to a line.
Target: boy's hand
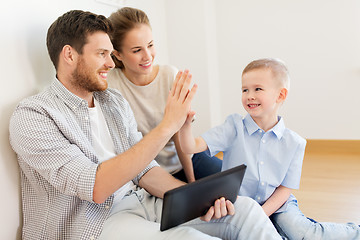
[
  {"x": 179, "y": 101},
  {"x": 220, "y": 209}
]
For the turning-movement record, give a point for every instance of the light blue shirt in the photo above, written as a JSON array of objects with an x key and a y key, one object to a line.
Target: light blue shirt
[{"x": 273, "y": 158}]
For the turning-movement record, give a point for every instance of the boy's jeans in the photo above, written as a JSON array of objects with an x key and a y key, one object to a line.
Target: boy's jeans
[{"x": 292, "y": 224}]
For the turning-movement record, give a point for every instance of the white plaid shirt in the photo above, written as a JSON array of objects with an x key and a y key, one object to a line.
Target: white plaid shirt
[{"x": 50, "y": 132}]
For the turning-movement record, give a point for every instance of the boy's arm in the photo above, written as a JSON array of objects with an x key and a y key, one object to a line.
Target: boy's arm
[
  {"x": 188, "y": 143},
  {"x": 276, "y": 200},
  {"x": 185, "y": 160}
]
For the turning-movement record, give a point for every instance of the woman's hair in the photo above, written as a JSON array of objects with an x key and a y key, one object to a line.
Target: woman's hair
[
  {"x": 277, "y": 67},
  {"x": 123, "y": 21}
]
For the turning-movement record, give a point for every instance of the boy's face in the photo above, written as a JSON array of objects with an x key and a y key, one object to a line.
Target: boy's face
[{"x": 261, "y": 94}]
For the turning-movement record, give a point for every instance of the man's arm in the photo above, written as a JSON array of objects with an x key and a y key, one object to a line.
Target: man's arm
[
  {"x": 115, "y": 172},
  {"x": 276, "y": 200},
  {"x": 188, "y": 143},
  {"x": 157, "y": 181}
]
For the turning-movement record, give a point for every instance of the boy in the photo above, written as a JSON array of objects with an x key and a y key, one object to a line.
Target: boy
[{"x": 273, "y": 153}]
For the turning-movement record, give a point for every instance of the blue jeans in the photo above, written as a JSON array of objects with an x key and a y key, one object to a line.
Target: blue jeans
[
  {"x": 293, "y": 225},
  {"x": 203, "y": 164}
]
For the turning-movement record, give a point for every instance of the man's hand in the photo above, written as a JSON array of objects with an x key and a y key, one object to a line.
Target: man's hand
[
  {"x": 220, "y": 209},
  {"x": 179, "y": 101}
]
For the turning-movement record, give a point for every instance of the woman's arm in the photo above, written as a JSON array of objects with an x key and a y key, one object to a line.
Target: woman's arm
[
  {"x": 276, "y": 200},
  {"x": 185, "y": 160}
]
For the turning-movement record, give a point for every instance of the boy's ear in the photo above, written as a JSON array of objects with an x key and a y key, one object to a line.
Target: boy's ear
[
  {"x": 69, "y": 54},
  {"x": 282, "y": 95}
]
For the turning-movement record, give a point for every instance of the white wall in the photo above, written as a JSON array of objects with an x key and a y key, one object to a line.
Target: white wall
[
  {"x": 192, "y": 45},
  {"x": 319, "y": 40},
  {"x": 26, "y": 69}
]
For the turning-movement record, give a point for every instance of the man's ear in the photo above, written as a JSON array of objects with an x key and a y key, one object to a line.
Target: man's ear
[
  {"x": 282, "y": 95},
  {"x": 69, "y": 54}
]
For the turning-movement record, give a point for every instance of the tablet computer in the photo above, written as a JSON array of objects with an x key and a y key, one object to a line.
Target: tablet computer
[{"x": 194, "y": 199}]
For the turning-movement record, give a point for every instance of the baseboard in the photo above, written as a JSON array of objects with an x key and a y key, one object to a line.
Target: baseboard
[
  {"x": 328, "y": 146},
  {"x": 333, "y": 146},
  {"x": 220, "y": 155}
]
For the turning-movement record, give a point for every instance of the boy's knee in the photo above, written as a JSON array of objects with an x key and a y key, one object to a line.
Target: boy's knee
[{"x": 283, "y": 218}]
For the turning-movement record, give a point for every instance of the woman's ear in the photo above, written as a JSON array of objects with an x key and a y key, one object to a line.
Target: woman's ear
[
  {"x": 117, "y": 55},
  {"x": 282, "y": 95}
]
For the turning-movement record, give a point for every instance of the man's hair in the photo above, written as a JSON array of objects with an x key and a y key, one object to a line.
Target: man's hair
[
  {"x": 123, "y": 21},
  {"x": 72, "y": 29},
  {"x": 277, "y": 67}
]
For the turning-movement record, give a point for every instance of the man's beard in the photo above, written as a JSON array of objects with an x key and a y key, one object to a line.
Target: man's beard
[{"x": 85, "y": 79}]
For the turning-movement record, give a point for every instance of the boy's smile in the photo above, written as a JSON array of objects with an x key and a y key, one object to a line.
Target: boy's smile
[{"x": 253, "y": 106}]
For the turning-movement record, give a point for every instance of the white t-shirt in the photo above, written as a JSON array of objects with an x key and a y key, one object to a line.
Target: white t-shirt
[
  {"x": 148, "y": 104},
  {"x": 103, "y": 144}
]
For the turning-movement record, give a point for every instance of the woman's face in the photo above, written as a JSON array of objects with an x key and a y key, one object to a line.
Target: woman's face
[{"x": 137, "y": 52}]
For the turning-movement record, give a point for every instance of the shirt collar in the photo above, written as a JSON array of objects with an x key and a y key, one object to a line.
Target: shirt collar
[
  {"x": 252, "y": 127},
  {"x": 250, "y": 124},
  {"x": 72, "y": 100}
]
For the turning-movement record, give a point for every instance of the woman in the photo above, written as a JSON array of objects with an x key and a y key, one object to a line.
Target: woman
[{"x": 146, "y": 86}]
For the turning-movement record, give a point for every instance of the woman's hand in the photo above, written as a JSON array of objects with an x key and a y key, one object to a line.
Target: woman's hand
[{"x": 179, "y": 101}]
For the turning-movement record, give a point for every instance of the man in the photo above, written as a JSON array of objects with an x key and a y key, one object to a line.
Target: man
[{"x": 86, "y": 172}]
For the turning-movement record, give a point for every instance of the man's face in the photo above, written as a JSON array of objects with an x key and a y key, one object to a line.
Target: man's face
[{"x": 94, "y": 63}]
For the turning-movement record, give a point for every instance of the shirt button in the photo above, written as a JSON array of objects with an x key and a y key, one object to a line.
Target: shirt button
[
  {"x": 86, "y": 118},
  {"x": 258, "y": 198},
  {"x": 92, "y": 237},
  {"x": 263, "y": 141},
  {"x": 262, "y": 183},
  {"x": 107, "y": 206},
  {"x": 262, "y": 163},
  {"x": 260, "y": 131}
]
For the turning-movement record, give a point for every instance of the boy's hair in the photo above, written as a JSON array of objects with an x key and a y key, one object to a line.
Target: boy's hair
[
  {"x": 123, "y": 21},
  {"x": 277, "y": 67},
  {"x": 73, "y": 28}
]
